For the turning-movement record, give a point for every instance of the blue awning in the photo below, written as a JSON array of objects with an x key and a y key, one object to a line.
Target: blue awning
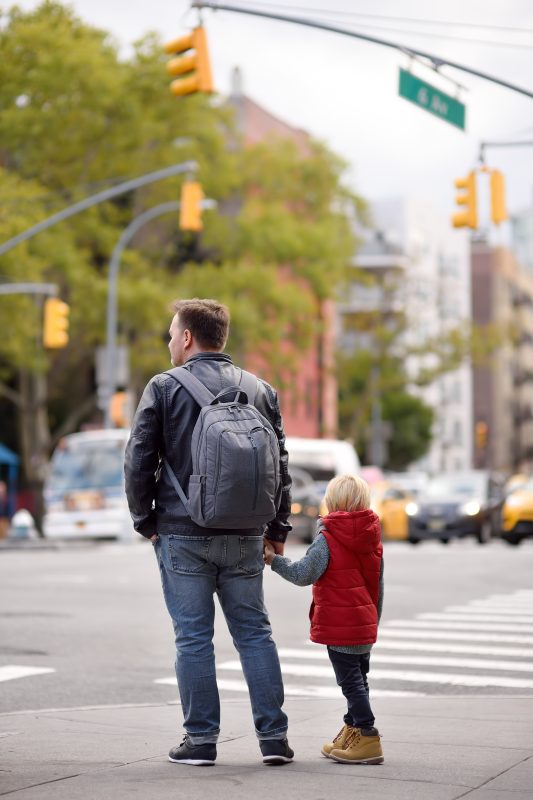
[{"x": 8, "y": 457}]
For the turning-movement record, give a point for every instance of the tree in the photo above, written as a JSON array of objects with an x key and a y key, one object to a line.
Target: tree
[{"x": 77, "y": 118}]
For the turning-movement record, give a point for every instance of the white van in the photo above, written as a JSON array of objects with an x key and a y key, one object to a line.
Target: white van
[
  {"x": 312, "y": 464},
  {"x": 84, "y": 491},
  {"x": 322, "y": 458}
]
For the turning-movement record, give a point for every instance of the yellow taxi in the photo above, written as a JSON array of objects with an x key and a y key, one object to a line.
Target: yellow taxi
[
  {"x": 517, "y": 513},
  {"x": 389, "y": 502}
]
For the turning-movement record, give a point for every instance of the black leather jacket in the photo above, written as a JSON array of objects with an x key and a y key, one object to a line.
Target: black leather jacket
[{"x": 163, "y": 426}]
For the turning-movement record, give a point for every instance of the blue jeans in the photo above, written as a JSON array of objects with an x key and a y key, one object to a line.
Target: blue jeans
[
  {"x": 193, "y": 569},
  {"x": 351, "y": 671}
]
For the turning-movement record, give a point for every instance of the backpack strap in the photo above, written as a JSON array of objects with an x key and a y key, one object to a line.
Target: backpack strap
[
  {"x": 250, "y": 384},
  {"x": 192, "y": 385},
  {"x": 177, "y": 486}
]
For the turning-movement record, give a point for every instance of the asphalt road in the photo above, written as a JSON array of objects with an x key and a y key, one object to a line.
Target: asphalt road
[{"x": 85, "y": 625}]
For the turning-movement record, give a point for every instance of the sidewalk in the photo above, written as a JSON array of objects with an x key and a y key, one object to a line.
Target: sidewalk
[{"x": 435, "y": 748}]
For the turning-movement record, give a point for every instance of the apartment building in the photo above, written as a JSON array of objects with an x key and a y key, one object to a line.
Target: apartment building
[{"x": 420, "y": 268}]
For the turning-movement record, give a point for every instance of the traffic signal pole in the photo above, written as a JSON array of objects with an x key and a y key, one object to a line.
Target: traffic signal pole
[
  {"x": 95, "y": 199},
  {"x": 436, "y": 61},
  {"x": 112, "y": 295}
]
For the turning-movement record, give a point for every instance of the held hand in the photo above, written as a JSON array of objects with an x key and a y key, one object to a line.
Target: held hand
[
  {"x": 268, "y": 552},
  {"x": 278, "y": 547}
]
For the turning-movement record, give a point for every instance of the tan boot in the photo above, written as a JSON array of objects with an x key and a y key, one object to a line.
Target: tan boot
[
  {"x": 337, "y": 743},
  {"x": 359, "y": 749}
]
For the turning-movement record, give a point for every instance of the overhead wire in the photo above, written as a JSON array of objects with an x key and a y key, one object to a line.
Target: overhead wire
[
  {"x": 358, "y": 14},
  {"x": 328, "y": 15}
]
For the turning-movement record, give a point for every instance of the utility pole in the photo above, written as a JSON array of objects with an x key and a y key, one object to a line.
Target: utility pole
[
  {"x": 127, "y": 235},
  {"x": 436, "y": 62}
]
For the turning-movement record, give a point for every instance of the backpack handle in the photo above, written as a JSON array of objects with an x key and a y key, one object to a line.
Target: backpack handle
[{"x": 240, "y": 395}]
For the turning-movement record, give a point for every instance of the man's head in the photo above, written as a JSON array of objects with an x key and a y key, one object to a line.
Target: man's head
[{"x": 198, "y": 326}]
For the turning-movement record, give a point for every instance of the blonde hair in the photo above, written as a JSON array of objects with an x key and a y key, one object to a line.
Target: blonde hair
[{"x": 347, "y": 493}]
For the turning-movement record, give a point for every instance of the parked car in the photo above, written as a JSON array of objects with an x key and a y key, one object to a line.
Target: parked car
[
  {"x": 456, "y": 505},
  {"x": 412, "y": 482},
  {"x": 517, "y": 513},
  {"x": 84, "y": 490},
  {"x": 389, "y": 502},
  {"x": 304, "y": 509},
  {"x": 312, "y": 464}
]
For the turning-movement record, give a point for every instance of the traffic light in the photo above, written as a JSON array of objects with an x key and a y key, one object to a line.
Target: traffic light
[
  {"x": 119, "y": 409},
  {"x": 191, "y": 206},
  {"x": 468, "y": 199},
  {"x": 482, "y": 430},
  {"x": 195, "y": 66},
  {"x": 498, "y": 211},
  {"x": 55, "y": 327}
]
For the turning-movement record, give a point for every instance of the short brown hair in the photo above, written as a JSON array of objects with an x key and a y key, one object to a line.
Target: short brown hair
[
  {"x": 207, "y": 320},
  {"x": 347, "y": 493}
]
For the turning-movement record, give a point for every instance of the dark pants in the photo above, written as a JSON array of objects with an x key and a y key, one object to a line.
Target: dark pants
[{"x": 351, "y": 670}]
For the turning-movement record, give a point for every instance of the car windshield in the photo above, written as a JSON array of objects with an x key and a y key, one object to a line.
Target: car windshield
[
  {"x": 456, "y": 485},
  {"x": 97, "y": 465},
  {"x": 528, "y": 485},
  {"x": 320, "y": 466}
]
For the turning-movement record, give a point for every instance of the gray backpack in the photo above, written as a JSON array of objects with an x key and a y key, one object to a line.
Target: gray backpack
[{"x": 235, "y": 481}]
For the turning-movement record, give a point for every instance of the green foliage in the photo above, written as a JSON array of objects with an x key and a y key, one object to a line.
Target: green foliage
[
  {"x": 77, "y": 118},
  {"x": 411, "y": 420},
  {"x": 363, "y": 377}
]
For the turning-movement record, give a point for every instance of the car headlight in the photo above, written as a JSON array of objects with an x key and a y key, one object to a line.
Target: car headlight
[
  {"x": 514, "y": 502},
  {"x": 471, "y": 508},
  {"x": 411, "y": 509}
]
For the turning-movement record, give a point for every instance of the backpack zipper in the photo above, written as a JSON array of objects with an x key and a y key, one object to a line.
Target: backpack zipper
[{"x": 256, "y": 466}]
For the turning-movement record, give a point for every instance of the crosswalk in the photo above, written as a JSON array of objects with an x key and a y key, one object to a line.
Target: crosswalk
[
  {"x": 11, "y": 672},
  {"x": 484, "y": 646}
]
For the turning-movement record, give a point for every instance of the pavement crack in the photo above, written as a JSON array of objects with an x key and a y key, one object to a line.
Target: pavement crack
[
  {"x": 42, "y": 783},
  {"x": 493, "y": 778}
]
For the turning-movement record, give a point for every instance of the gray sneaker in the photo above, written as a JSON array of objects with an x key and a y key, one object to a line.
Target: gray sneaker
[
  {"x": 197, "y": 755},
  {"x": 276, "y": 751}
]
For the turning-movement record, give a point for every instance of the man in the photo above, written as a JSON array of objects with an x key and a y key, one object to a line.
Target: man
[{"x": 195, "y": 562}]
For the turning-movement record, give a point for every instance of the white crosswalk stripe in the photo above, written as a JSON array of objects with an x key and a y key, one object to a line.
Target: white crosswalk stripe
[
  {"x": 13, "y": 671},
  {"x": 486, "y": 644},
  {"x": 447, "y": 616},
  {"x": 462, "y": 626},
  {"x": 302, "y": 690}
]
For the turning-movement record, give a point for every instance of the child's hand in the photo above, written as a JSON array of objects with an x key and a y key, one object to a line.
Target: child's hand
[{"x": 268, "y": 553}]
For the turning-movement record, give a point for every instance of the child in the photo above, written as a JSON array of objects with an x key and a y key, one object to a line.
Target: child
[{"x": 345, "y": 565}]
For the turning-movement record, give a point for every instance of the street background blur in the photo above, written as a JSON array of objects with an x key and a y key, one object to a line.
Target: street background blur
[{"x": 366, "y": 213}]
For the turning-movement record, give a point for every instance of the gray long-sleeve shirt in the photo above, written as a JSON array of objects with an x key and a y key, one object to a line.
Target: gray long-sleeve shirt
[{"x": 309, "y": 569}]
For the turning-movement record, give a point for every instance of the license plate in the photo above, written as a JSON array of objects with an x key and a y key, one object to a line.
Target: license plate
[{"x": 436, "y": 524}]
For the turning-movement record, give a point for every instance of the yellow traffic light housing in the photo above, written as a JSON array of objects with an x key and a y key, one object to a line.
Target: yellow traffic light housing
[
  {"x": 55, "y": 327},
  {"x": 191, "y": 206},
  {"x": 467, "y": 198},
  {"x": 482, "y": 430},
  {"x": 498, "y": 210},
  {"x": 195, "y": 66},
  {"x": 119, "y": 409}
]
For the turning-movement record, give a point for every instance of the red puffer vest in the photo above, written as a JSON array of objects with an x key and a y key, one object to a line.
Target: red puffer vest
[{"x": 344, "y": 607}]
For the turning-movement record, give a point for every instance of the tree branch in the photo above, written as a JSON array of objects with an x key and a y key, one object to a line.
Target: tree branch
[
  {"x": 71, "y": 422},
  {"x": 12, "y": 395}
]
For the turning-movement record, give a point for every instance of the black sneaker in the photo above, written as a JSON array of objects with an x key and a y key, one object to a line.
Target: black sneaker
[
  {"x": 198, "y": 755},
  {"x": 276, "y": 751}
]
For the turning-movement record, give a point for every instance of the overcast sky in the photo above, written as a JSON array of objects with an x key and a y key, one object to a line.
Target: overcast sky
[{"x": 345, "y": 91}]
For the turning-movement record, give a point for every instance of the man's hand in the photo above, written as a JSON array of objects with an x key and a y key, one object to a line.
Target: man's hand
[
  {"x": 154, "y": 538},
  {"x": 268, "y": 552},
  {"x": 279, "y": 547}
]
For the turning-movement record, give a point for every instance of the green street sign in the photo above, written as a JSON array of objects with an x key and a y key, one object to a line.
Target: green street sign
[{"x": 433, "y": 100}]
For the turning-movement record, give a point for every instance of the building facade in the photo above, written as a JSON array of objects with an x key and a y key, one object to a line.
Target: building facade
[
  {"x": 502, "y": 306},
  {"x": 413, "y": 249},
  {"x": 309, "y": 397}
]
